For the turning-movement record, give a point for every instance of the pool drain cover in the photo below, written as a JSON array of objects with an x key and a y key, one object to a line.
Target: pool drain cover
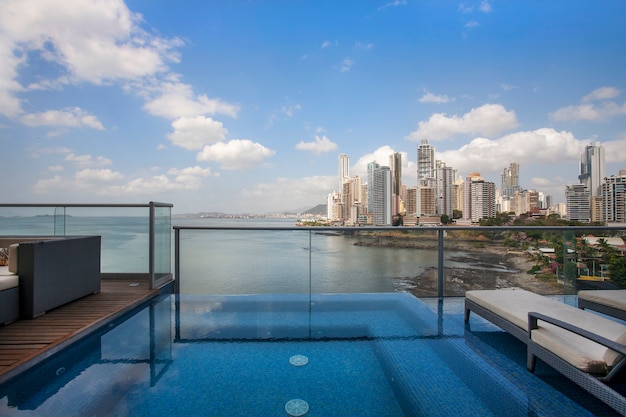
[
  {"x": 298, "y": 360},
  {"x": 296, "y": 407}
]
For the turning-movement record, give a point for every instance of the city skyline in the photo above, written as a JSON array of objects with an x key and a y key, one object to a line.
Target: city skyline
[{"x": 243, "y": 106}]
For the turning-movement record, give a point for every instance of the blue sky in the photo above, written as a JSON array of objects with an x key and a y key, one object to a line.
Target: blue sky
[{"x": 245, "y": 106}]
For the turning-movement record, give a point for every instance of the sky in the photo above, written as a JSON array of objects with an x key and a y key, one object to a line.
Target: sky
[{"x": 244, "y": 106}]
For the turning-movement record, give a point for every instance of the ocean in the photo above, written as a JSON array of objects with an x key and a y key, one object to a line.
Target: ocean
[{"x": 246, "y": 261}]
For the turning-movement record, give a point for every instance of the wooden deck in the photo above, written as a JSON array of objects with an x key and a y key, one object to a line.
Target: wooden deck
[{"x": 26, "y": 342}]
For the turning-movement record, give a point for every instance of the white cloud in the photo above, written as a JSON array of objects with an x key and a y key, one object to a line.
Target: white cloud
[
  {"x": 194, "y": 132},
  {"x": 87, "y": 160},
  {"x": 321, "y": 144},
  {"x": 485, "y": 6},
  {"x": 364, "y": 46},
  {"x": 472, "y": 24},
  {"x": 464, "y": 8},
  {"x": 614, "y": 150},
  {"x": 191, "y": 177},
  {"x": 544, "y": 145},
  {"x": 489, "y": 119},
  {"x": 595, "y": 112},
  {"x": 177, "y": 100},
  {"x": 346, "y": 65},
  {"x": 297, "y": 192},
  {"x": 289, "y": 110},
  {"x": 105, "y": 182},
  {"x": 90, "y": 175},
  {"x": 602, "y": 93},
  {"x": 328, "y": 44},
  {"x": 73, "y": 117},
  {"x": 589, "y": 111},
  {"x": 236, "y": 154},
  {"x": 429, "y": 97},
  {"x": 83, "y": 41},
  {"x": 394, "y": 3}
]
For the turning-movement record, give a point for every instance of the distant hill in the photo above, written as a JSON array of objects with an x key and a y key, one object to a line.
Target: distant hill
[{"x": 319, "y": 210}]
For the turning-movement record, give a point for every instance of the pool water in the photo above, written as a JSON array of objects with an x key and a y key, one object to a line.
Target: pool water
[{"x": 366, "y": 355}]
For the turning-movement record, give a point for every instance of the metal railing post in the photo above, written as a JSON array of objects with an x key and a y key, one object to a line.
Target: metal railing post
[
  {"x": 440, "y": 263},
  {"x": 176, "y": 260}
]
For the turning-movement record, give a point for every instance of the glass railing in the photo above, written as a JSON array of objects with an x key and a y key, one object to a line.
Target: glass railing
[
  {"x": 136, "y": 238},
  {"x": 425, "y": 261}
]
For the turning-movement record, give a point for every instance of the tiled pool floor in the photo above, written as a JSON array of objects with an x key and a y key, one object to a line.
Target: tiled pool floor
[{"x": 369, "y": 355}]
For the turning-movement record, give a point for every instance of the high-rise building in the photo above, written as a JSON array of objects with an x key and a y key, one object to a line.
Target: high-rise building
[
  {"x": 614, "y": 198},
  {"x": 395, "y": 163},
  {"x": 577, "y": 201},
  {"x": 480, "y": 198},
  {"x": 425, "y": 163},
  {"x": 371, "y": 167},
  {"x": 381, "y": 201},
  {"x": 411, "y": 201},
  {"x": 427, "y": 202},
  {"x": 592, "y": 169},
  {"x": 344, "y": 168},
  {"x": 445, "y": 177},
  {"x": 510, "y": 180}
]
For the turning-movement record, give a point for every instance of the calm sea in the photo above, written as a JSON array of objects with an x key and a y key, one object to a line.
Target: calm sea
[{"x": 246, "y": 261}]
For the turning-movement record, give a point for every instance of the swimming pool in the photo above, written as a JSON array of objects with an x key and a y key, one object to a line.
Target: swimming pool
[{"x": 278, "y": 355}]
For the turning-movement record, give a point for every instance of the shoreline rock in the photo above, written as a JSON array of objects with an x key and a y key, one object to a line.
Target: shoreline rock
[{"x": 491, "y": 265}]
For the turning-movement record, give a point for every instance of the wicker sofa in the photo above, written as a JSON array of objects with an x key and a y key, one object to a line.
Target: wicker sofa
[{"x": 46, "y": 272}]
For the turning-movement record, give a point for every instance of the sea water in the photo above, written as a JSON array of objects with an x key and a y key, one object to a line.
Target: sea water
[{"x": 243, "y": 261}]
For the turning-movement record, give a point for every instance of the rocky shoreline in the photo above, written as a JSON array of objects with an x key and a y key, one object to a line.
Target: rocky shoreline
[{"x": 491, "y": 265}]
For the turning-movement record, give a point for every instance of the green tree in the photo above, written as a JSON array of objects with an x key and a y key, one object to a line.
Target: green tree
[
  {"x": 617, "y": 271},
  {"x": 445, "y": 219}
]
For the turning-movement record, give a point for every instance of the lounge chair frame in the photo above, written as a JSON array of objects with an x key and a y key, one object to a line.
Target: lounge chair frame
[
  {"x": 499, "y": 321},
  {"x": 597, "y": 386},
  {"x": 601, "y": 308}
]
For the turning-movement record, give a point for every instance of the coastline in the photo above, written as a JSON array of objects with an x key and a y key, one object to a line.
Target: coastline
[{"x": 490, "y": 265}]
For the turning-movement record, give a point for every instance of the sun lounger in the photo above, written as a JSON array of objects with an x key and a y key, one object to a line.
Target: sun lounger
[
  {"x": 585, "y": 347},
  {"x": 610, "y": 302}
]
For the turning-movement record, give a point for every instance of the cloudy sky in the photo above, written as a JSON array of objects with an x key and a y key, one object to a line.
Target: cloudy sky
[{"x": 245, "y": 106}]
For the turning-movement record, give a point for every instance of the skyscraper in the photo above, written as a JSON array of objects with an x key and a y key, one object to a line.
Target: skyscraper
[
  {"x": 380, "y": 195},
  {"x": 480, "y": 198},
  {"x": 344, "y": 168},
  {"x": 577, "y": 200},
  {"x": 592, "y": 169},
  {"x": 395, "y": 163},
  {"x": 445, "y": 192},
  {"x": 614, "y": 198},
  {"x": 510, "y": 180},
  {"x": 425, "y": 163}
]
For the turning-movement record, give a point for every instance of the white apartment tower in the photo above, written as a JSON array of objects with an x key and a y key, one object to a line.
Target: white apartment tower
[
  {"x": 480, "y": 198},
  {"x": 592, "y": 169},
  {"x": 381, "y": 197},
  {"x": 578, "y": 202},
  {"x": 614, "y": 198},
  {"x": 445, "y": 177},
  {"x": 344, "y": 168},
  {"x": 425, "y": 163}
]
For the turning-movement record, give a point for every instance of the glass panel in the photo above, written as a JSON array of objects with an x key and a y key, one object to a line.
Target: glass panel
[
  {"x": 125, "y": 235},
  {"x": 162, "y": 241},
  {"x": 59, "y": 221},
  {"x": 244, "y": 262},
  {"x": 27, "y": 221},
  {"x": 370, "y": 261}
]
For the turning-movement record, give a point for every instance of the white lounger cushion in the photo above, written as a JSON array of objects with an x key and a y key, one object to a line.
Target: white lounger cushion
[
  {"x": 514, "y": 306},
  {"x": 611, "y": 298},
  {"x": 13, "y": 258},
  {"x": 8, "y": 279}
]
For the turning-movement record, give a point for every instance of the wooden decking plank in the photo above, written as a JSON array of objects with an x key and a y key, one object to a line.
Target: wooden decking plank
[{"x": 25, "y": 340}]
